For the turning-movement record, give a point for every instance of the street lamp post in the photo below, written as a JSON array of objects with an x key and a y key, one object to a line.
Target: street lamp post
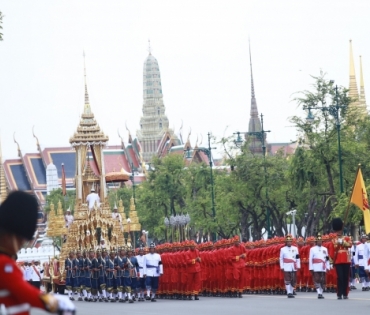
[
  {"x": 260, "y": 135},
  {"x": 208, "y": 152},
  {"x": 333, "y": 110},
  {"x": 293, "y": 214}
]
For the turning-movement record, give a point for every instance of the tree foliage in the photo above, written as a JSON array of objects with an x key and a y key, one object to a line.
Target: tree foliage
[{"x": 253, "y": 188}]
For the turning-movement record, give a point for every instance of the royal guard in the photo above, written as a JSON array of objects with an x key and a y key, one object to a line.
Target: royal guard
[
  {"x": 339, "y": 253},
  {"x": 237, "y": 254},
  {"x": 331, "y": 281},
  {"x": 70, "y": 275},
  {"x": 88, "y": 274},
  {"x": 289, "y": 264},
  {"x": 111, "y": 275},
  {"x": 318, "y": 264},
  {"x": 18, "y": 219},
  {"x": 193, "y": 262}
]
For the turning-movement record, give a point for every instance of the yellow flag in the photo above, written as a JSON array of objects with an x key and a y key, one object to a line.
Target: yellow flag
[{"x": 359, "y": 198}]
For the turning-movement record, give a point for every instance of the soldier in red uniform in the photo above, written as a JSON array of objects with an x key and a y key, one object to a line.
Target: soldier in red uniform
[
  {"x": 193, "y": 262},
  {"x": 18, "y": 218},
  {"x": 339, "y": 253},
  {"x": 237, "y": 254}
]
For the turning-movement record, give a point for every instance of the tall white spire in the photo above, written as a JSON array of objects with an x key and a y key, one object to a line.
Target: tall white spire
[{"x": 154, "y": 122}]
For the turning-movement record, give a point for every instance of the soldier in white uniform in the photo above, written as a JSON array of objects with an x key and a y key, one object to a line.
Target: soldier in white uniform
[
  {"x": 36, "y": 274},
  {"x": 360, "y": 261},
  {"x": 69, "y": 219},
  {"x": 318, "y": 263},
  {"x": 141, "y": 260},
  {"x": 92, "y": 197},
  {"x": 152, "y": 271},
  {"x": 27, "y": 271},
  {"x": 289, "y": 264},
  {"x": 353, "y": 271}
]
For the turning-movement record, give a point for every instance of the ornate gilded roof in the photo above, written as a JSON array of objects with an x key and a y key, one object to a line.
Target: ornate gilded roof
[{"x": 88, "y": 131}]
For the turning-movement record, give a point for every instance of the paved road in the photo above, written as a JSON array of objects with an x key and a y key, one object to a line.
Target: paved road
[{"x": 304, "y": 303}]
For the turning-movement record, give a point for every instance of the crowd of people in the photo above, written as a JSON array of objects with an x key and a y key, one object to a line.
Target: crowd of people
[{"x": 226, "y": 268}]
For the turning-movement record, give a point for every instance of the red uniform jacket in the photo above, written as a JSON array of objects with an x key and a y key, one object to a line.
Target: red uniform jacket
[
  {"x": 17, "y": 295},
  {"x": 192, "y": 264},
  {"x": 339, "y": 253}
]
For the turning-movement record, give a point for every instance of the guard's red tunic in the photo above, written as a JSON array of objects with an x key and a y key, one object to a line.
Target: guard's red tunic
[{"x": 16, "y": 294}]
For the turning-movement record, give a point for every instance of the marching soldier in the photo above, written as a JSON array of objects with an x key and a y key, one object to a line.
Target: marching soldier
[
  {"x": 318, "y": 264},
  {"x": 111, "y": 275},
  {"x": 88, "y": 274},
  {"x": 360, "y": 260},
  {"x": 141, "y": 280},
  {"x": 193, "y": 270},
  {"x": 339, "y": 253},
  {"x": 120, "y": 266},
  {"x": 237, "y": 258},
  {"x": 289, "y": 264},
  {"x": 81, "y": 279},
  {"x": 76, "y": 275},
  {"x": 101, "y": 277},
  {"x": 70, "y": 276},
  {"x": 153, "y": 270},
  {"x": 134, "y": 272}
]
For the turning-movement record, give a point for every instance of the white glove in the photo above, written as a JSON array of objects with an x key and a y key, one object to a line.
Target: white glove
[
  {"x": 340, "y": 241},
  {"x": 64, "y": 303}
]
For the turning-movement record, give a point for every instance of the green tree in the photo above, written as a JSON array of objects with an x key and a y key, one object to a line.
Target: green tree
[
  {"x": 315, "y": 168},
  {"x": 57, "y": 195}
]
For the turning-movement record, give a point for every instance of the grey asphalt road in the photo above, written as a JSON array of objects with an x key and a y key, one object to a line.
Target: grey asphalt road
[{"x": 304, "y": 303}]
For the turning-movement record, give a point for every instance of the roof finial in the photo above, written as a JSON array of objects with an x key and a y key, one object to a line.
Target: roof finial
[
  {"x": 149, "y": 47},
  {"x": 18, "y": 147},
  {"x": 87, "y": 109},
  {"x": 37, "y": 139},
  {"x": 122, "y": 143},
  {"x": 129, "y": 134}
]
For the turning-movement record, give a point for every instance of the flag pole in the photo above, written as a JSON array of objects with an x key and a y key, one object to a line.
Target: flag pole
[{"x": 349, "y": 201}]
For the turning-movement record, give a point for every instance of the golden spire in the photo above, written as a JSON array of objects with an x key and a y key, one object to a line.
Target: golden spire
[
  {"x": 353, "y": 91},
  {"x": 3, "y": 189},
  {"x": 362, "y": 97},
  {"x": 87, "y": 108},
  {"x": 88, "y": 131}
]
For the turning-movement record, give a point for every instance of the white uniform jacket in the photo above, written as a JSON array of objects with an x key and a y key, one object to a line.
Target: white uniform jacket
[
  {"x": 141, "y": 260},
  {"x": 289, "y": 258},
  {"x": 153, "y": 266},
  {"x": 361, "y": 255},
  {"x": 318, "y": 259}
]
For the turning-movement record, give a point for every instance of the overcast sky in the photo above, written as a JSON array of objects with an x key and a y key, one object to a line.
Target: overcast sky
[{"x": 202, "y": 50}]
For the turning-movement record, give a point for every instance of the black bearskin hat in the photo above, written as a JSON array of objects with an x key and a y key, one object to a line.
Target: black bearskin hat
[
  {"x": 337, "y": 224},
  {"x": 18, "y": 214}
]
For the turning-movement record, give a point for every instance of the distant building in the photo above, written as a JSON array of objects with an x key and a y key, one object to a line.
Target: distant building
[{"x": 154, "y": 129}]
